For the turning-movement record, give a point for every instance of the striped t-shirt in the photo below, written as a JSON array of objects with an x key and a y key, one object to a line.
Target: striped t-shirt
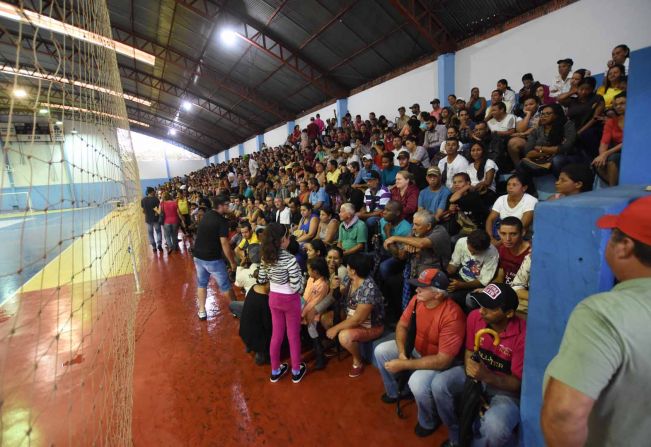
[{"x": 284, "y": 276}]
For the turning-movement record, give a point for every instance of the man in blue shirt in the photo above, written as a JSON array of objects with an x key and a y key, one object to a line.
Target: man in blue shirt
[
  {"x": 318, "y": 196},
  {"x": 434, "y": 198},
  {"x": 367, "y": 167}
]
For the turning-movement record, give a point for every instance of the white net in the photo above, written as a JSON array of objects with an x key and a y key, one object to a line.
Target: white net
[{"x": 70, "y": 225}]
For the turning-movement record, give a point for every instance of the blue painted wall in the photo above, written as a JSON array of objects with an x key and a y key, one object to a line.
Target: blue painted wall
[
  {"x": 60, "y": 196},
  {"x": 153, "y": 182}
]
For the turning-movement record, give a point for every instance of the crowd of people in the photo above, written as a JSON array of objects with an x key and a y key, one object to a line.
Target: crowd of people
[{"x": 349, "y": 232}]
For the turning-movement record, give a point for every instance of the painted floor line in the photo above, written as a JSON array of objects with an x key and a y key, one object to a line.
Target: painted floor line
[{"x": 39, "y": 213}]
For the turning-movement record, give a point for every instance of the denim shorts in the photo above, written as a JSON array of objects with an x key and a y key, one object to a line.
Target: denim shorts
[{"x": 207, "y": 268}]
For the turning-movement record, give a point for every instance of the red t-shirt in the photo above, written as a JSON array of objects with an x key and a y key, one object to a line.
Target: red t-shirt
[
  {"x": 510, "y": 263},
  {"x": 409, "y": 200},
  {"x": 613, "y": 134},
  {"x": 508, "y": 356},
  {"x": 441, "y": 329},
  {"x": 169, "y": 207}
]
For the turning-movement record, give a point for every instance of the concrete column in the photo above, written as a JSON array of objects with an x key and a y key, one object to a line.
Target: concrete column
[
  {"x": 259, "y": 140},
  {"x": 240, "y": 148},
  {"x": 341, "y": 106},
  {"x": 446, "y": 77},
  {"x": 290, "y": 127}
]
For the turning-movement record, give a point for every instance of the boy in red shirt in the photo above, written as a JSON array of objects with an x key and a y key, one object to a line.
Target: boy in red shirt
[{"x": 500, "y": 369}]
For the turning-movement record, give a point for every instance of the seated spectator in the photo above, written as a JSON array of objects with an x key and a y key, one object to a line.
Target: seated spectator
[
  {"x": 512, "y": 250},
  {"x": 378, "y": 151},
  {"x": 498, "y": 369},
  {"x": 528, "y": 89},
  {"x": 315, "y": 249},
  {"x": 307, "y": 226},
  {"x": 335, "y": 259},
  {"x": 417, "y": 171},
  {"x": 245, "y": 275},
  {"x": 620, "y": 55},
  {"x": 574, "y": 179},
  {"x": 451, "y": 132},
  {"x": 542, "y": 93},
  {"x": 445, "y": 117},
  {"x": 523, "y": 128},
  {"x": 521, "y": 285},
  {"x": 610, "y": 149},
  {"x": 482, "y": 172},
  {"x": 440, "y": 332},
  {"x": 417, "y": 154},
  {"x": 406, "y": 192},
  {"x": 353, "y": 234},
  {"x": 318, "y": 197},
  {"x": 452, "y": 163},
  {"x": 614, "y": 84},
  {"x": 316, "y": 289},
  {"x": 303, "y": 192},
  {"x": 508, "y": 95},
  {"x": 466, "y": 126},
  {"x": 585, "y": 110},
  {"x": 434, "y": 198},
  {"x": 364, "y": 320},
  {"x": 466, "y": 210},
  {"x": 375, "y": 199},
  {"x": 282, "y": 213},
  {"x": 255, "y": 322},
  {"x": 476, "y": 105},
  {"x": 328, "y": 227},
  {"x": 563, "y": 81},
  {"x": 368, "y": 166},
  {"x": 577, "y": 77},
  {"x": 389, "y": 170},
  {"x": 502, "y": 126},
  {"x": 434, "y": 136},
  {"x": 295, "y": 211},
  {"x": 516, "y": 202},
  {"x": 550, "y": 146},
  {"x": 473, "y": 265},
  {"x": 248, "y": 238}
]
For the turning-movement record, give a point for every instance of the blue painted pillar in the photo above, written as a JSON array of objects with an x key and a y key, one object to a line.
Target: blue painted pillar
[
  {"x": 240, "y": 148},
  {"x": 259, "y": 140},
  {"x": 341, "y": 106},
  {"x": 446, "y": 77},
  {"x": 290, "y": 127},
  {"x": 636, "y": 157}
]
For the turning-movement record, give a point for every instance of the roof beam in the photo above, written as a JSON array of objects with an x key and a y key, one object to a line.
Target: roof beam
[
  {"x": 187, "y": 63},
  {"x": 419, "y": 15}
]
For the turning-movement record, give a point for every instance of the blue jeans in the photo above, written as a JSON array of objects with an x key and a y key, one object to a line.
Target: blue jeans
[
  {"x": 371, "y": 223},
  {"x": 419, "y": 384},
  {"x": 391, "y": 266},
  {"x": 207, "y": 268},
  {"x": 172, "y": 235},
  {"x": 495, "y": 428},
  {"x": 153, "y": 229}
]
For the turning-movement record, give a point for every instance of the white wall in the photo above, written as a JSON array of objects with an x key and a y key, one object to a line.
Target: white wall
[
  {"x": 416, "y": 86},
  {"x": 234, "y": 152},
  {"x": 585, "y": 31},
  {"x": 152, "y": 169},
  {"x": 276, "y": 137},
  {"x": 250, "y": 146},
  {"x": 179, "y": 168}
]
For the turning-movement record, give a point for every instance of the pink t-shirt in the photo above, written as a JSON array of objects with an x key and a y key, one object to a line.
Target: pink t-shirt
[{"x": 169, "y": 207}]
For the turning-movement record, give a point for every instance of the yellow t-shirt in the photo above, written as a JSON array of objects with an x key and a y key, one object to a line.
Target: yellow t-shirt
[
  {"x": 182, "y": 204},
  {"x": 609, "y": 95},
  {"x": 252, "y": 240},
  {"x": 333, "y": 176}
]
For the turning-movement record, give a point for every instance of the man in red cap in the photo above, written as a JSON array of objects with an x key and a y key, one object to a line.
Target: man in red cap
[
  {"x": 440, "y": 329},
  {"x": 598, "y": 385}
]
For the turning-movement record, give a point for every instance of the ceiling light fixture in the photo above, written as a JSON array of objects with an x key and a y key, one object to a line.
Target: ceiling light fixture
[
  {"x": 32, "y": 73},
  {"x": 172, "y": 132},
  {"x": 20, "y": 93},
  {"x": 229, "y": 37},
  {"x": 43, "y": 111},
  {"x": 59, "y": 123},
  {"x": 187, "y": 105},
  {"x": 42, "y": 21}
]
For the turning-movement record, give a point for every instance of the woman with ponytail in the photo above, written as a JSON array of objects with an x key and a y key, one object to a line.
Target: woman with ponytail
[
  {"x": 285, "y": 278},
  {"x": 482, "y": 171}
]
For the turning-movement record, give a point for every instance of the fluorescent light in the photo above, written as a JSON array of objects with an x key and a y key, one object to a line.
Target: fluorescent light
[
  {"x": 59, "y": 123},
  {"x": 42, "y": 21},
  {"x": 20, "y": 93},
  {"x": 94, "y": 112},
  {"x": 229, "y": 37},
  {"x": 187, "y": 105},
  {"x": 73, "y": 131},
  {"x": 32, "y": 73},
  {"x": 172, "y": 132},
  {"x": 43, "y": 111}
]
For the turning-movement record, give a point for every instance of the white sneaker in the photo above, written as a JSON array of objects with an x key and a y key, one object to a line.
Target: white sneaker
[{"x": 202, "y": 315}]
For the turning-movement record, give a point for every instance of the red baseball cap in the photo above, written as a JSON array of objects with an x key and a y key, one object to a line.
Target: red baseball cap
[{"x": 634, "y": 220}]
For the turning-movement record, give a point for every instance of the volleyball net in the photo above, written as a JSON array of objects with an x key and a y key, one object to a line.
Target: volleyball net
[{"x": 70, "y": 227}]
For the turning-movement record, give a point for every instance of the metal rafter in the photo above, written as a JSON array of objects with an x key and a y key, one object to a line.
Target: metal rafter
[
  {"x": 187, "y": 63},
  {"x": 424, "y": 20}
]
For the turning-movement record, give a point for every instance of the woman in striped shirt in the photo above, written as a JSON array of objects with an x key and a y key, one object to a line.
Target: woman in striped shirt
[{"x": 285, "y": 279}]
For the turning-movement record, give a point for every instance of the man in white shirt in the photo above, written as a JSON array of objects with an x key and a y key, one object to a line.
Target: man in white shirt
[
  {"x": 508, "y": 95},
  {"x": 282, "y": 214},
  {"x": 253, "y": 167},
  {"x": 563, "y": 81},
  {"x": 502, "y": 126},
  {"x": 418, "y": 154},
  {"x": 453, "y": 163}
]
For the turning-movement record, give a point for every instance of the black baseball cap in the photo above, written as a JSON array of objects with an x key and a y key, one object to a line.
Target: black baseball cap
[
  {"x": 495, "y": 296},
  {"x": 565, "y": 61}
]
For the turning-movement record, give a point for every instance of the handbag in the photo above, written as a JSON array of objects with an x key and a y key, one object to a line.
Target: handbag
[{"x": 466, "y": 224}]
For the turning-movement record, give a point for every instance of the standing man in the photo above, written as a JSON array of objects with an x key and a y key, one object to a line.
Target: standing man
[
  {"x": 596, "y": 385},
  {"x": 402, "y": 119},
  {"x": 150, "y": 204},
  {"x": 210, "y": 248}
]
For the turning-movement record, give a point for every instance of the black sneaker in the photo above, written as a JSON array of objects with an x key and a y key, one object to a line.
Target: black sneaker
[
  {"x": 423, "y": 432},
  {"x": 301, "y": 372},
  {"x": 160, "y": 248},
  {"x": 406, "y": 395},
  {"x": 276, "y": 377}
]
